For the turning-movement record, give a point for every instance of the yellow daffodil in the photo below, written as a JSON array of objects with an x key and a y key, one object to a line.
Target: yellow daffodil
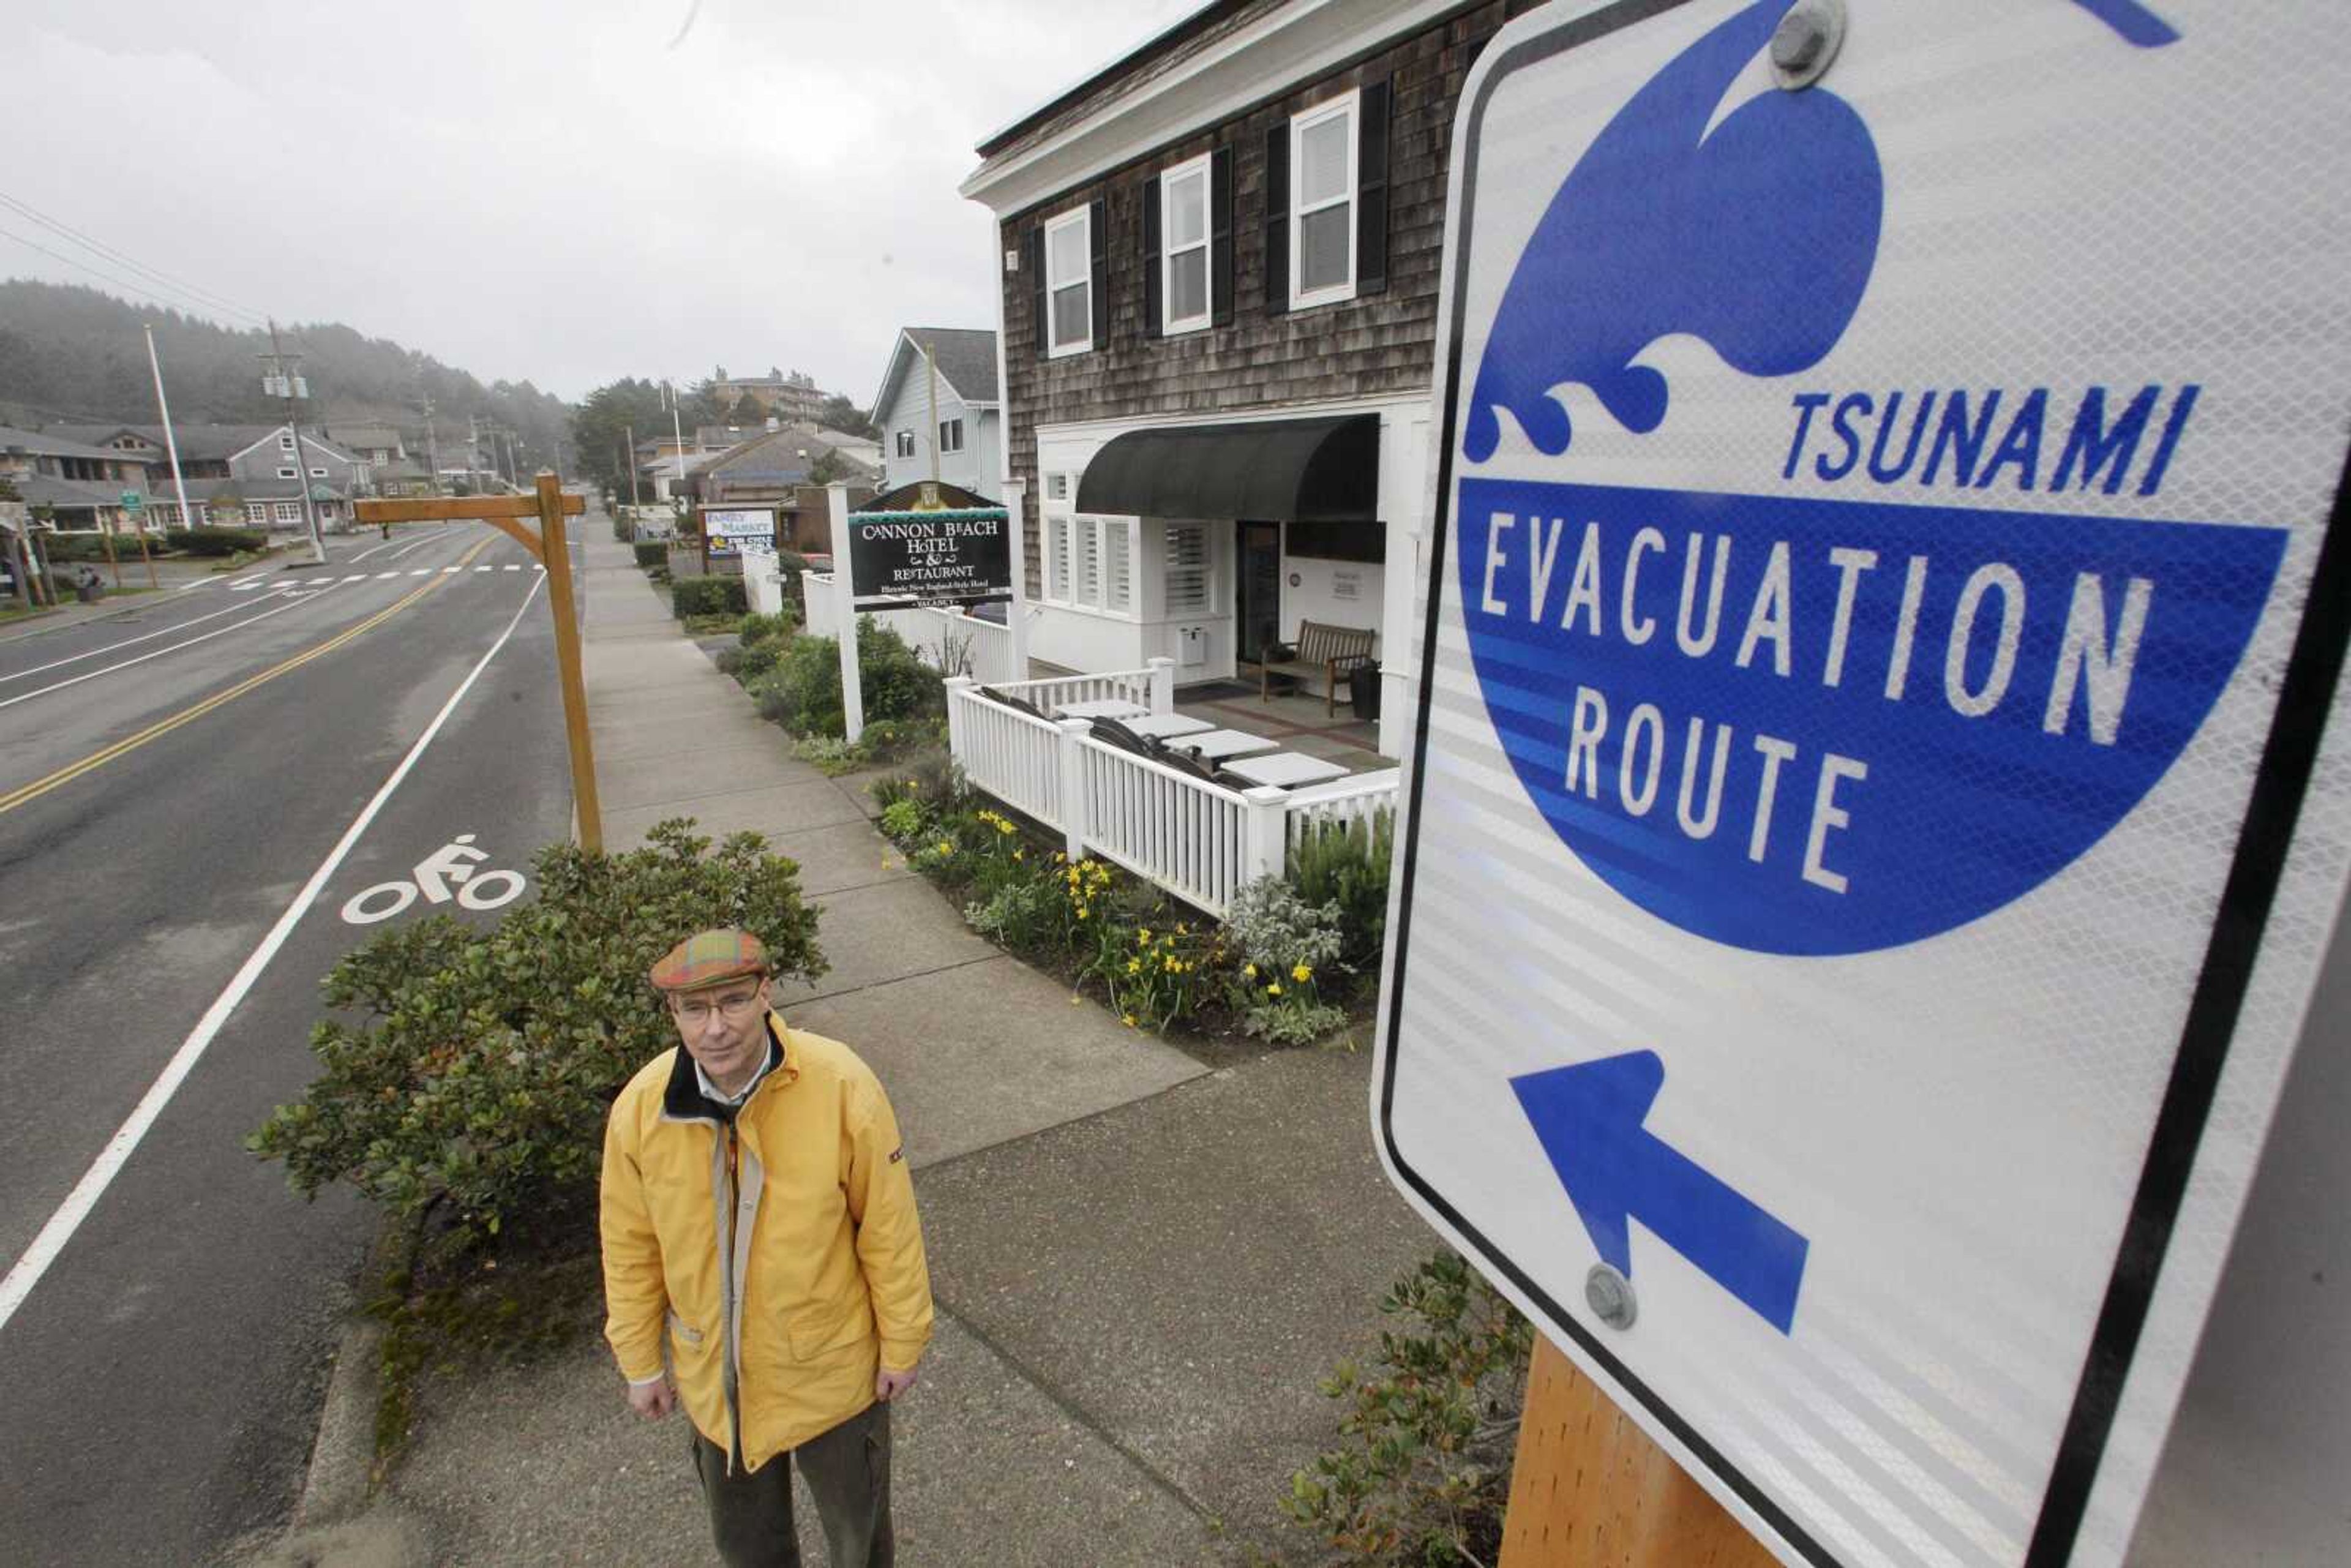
[
  {"x": 1248, "y": 971},
  {"x": 1274, "y": 989},
  {"x": 1127, "y": 1018},
  {"x": 1302, "y": 974}
]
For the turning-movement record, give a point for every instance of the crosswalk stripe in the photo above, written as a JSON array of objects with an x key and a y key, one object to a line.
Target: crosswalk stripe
[{"x": 512, "y": 566}]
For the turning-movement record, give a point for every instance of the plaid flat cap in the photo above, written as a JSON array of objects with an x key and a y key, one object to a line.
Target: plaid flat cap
[{"x": 709, "y": 959}]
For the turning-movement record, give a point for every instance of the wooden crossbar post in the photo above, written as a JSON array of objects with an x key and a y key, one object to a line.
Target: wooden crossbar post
[{"x": 509, "y": 515}]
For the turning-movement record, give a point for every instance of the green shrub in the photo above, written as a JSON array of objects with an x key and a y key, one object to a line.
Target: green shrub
[
  {"x": 1282, "y": 944},
  {"x": 707, "y": 596},
  {"x": 751, "y": 663},
  {"x": 218, "y": 541},
  {"x": 78, "y": 548},
  {"x": 484, "y": 1061},
  {"x": 1346, "y": 864},
  {"x": 758, "y": 628},
  {"x": 1427, "y": 1473},
  {"x": 653, "y": 555},
  {"x": 805, "y": 682}
]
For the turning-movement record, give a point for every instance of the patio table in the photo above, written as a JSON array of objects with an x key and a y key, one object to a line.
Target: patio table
[
  {"x": 1215, "y": 744},
  {"x": 1284, "y": 769},
  {"x": 1167, "y": 726},
  {"x": 1101, "y": 707}
]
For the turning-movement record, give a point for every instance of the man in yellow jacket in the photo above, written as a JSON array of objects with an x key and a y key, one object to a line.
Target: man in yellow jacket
[{"x": 757, "y": 1206}]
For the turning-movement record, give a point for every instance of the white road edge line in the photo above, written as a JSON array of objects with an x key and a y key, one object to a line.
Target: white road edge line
[
  {"x": 292, "y": 601},
  {"x": 26, "y": 1271},
  {"x": 238, "y": 609}
]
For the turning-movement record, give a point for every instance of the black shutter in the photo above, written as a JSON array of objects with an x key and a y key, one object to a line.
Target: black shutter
[
  {"x": 1277, "y": 219},
  {"x": 1097, "y": 227},
  {"x": 1372, "y": 191},
  {"x": 1220, "y": 236},
  {"x": 1036, "y": 248},
  {"x": 1152, "y": 317}
]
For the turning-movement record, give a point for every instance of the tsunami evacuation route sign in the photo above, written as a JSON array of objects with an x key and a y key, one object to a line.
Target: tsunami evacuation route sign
[{"x": 1872, "y": 823}]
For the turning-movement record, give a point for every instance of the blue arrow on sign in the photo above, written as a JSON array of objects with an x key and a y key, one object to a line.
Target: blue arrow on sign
[{"x": 1588, "y": 1118}]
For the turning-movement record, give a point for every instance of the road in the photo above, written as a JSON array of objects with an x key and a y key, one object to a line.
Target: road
[{"x": 173, "y": 780}]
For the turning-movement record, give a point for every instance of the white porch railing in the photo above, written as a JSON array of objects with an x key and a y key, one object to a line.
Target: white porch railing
[
  {"x": 1356, "y": 799},
  {"x": 1198, "y": 840}
]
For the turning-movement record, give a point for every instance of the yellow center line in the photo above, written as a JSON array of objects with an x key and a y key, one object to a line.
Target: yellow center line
[{"x": 100, "y": 758}]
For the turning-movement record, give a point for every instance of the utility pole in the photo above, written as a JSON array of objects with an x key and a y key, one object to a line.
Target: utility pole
[
  {"x": 170, "y": 443},
  {"x": 282, "y": 383},
  {"x": 677, "y": 437},
  {"x": 628, "y": 456},
  {"x": 433, "y": 444}
]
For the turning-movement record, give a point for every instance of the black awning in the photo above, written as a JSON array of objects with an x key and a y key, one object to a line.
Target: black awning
[{"x": 1287, "y": 470}]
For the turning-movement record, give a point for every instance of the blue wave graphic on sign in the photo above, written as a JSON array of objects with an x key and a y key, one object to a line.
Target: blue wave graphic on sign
[
  {"x": 1757, "y": 236},
  {"x": 1808, "y": 726}
]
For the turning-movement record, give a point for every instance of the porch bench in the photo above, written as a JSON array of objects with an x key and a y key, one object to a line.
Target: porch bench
[{"x": 1321, "y": 649}]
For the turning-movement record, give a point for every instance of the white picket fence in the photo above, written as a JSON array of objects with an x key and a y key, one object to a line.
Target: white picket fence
[
  {"x": 1199, "y": 841},
  {"x": 949, "y": 640}
]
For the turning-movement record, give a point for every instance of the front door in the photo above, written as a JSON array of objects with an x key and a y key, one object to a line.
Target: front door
[{"x": 1260, "y": 589}]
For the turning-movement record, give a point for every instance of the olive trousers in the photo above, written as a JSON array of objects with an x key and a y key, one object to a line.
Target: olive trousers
[{"x": 848, "y": 1473}]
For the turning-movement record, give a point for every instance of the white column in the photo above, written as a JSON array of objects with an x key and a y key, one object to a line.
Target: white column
[
  {"x": 1163, "y": 684},
  {"x": 956, "y": 686},
  {"x": 1016, "y": 614},
  {"x": 845, "y": 598},
  {"x": 1265, "y": 832},
  {"x": 1073, "y": 787}
]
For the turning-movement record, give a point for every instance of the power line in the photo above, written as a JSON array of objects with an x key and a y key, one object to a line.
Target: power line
[
  {"x": 121, "y": 283},
  {"x": 108, "y": 253}
]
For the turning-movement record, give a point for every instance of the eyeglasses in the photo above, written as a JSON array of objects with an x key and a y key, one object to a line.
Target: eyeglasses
[{"x": 696, "y": 1012}]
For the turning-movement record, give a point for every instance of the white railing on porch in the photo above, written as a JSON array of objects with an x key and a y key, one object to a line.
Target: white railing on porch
[
  {"x": 1198, "y": 840},
  {"x": 949, "y": 640}
]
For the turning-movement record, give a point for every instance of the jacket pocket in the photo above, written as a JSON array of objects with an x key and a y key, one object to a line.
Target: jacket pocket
[{"x": 821, "y": 1332}]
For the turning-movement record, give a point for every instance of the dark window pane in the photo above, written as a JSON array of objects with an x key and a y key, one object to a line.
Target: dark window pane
[
  {"x": 1322, "y": 247},
  {"x": 1187, "y": 285},
  {"x": 1073, "y": 317}
]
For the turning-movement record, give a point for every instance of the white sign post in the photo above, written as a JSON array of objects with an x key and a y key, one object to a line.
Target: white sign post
[
  {"x": 1877, "y": 805},
  {"x": 845, "y": 598}
]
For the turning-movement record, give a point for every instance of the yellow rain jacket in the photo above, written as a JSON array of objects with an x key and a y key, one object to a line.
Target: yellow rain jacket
[{"x": 780, "y": 1248}]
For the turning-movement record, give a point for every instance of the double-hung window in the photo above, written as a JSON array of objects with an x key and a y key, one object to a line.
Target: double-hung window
[
  {"x": 1068, "y": 283},
  {"x": 905, "y": 446},
  {"x": 1322, "y": 203},
  {"x": 1185, "y": 288},
  {"x": 951, "y": 435}
]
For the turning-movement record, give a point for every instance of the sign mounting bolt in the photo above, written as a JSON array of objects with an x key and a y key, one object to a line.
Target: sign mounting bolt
[
  {"x": 1610, "y": 1296},
  {"x": 1806, "y": 41}
]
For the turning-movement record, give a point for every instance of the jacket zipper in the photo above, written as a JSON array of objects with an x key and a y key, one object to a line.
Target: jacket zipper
[{"x": 731, "y": 1378}]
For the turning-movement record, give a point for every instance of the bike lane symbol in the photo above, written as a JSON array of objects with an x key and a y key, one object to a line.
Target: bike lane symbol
[{"x": 450, "y": 872}]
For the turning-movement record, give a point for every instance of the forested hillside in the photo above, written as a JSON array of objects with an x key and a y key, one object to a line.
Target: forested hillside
[{"x": 71, "y": 353}]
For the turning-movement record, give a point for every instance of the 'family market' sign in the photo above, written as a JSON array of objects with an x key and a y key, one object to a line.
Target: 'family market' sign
[{"x": 964, "y": 556}]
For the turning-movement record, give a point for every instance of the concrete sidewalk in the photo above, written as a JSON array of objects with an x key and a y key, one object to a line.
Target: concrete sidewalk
[{"x": 1141, "y": 1267}]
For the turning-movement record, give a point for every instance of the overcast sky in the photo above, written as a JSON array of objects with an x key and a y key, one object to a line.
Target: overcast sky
[{"x": 547, "y": 189}]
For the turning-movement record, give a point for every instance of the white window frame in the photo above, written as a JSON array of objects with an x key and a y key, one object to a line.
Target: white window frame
[
  {"x": 904, "y": 446},
  {"x": 1346, "y": 106},
  {"x": 950, "y": 435},
  {"x": 317, "y": 473},
  {"x": 1077, "y": 543},
  {"x": 1082, "y": 219},
  {"x": 1170, "y": 324},
  {"x": 290, "y": 473},
  {"x": 1208, "y": 603},
  {"x": 285, "y": 441},
  {"x": 287, "y": 511}
]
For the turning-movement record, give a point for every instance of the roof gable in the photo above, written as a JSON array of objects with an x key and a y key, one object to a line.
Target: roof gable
[{"x": 966, "y": 358}]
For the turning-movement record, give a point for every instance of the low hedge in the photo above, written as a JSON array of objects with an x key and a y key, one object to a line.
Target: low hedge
[
  {"x": 708, "y": 596},
  {"x": 652, "y": 553},
  {"x": 218, "y": 541}
]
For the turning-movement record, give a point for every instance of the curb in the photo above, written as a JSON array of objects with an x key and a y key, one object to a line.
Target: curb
[{"x": 341, "y": 1477}]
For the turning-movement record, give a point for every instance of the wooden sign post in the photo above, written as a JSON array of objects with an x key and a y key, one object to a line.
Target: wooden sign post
[
  {"x": 546, "y": 543},
  {"x": 1591, "y": 1489}
]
